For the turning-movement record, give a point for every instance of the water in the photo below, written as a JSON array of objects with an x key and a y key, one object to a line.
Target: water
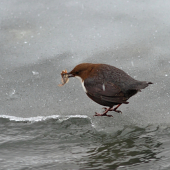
[
  {"x": 74, "y": 142},
  {"x": 44, "y": 126}
]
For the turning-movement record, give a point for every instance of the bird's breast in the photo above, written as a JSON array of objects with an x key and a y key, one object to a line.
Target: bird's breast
[{"x": 82, "y": 83}]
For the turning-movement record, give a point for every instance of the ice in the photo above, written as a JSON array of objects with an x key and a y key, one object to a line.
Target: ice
[
  {"x": 12, "y": 94},
  {"x": 35, "y": 73},
  {"x": 102, "y": 34}
]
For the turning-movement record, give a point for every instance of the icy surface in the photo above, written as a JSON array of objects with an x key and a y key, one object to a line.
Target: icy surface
[{"x": 41, "y": 38}]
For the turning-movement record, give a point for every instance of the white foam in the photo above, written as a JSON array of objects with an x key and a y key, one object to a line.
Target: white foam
[{"x": 40, "y": 118}]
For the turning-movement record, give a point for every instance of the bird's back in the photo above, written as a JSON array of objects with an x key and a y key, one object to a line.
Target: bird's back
[{"x": 120, "y": 78}]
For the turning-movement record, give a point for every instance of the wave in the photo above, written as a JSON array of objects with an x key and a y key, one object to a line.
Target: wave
[{"x": 44, "y": 118}]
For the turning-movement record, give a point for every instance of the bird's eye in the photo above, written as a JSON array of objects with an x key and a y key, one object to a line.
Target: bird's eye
[{"x": 77, "y": 72}]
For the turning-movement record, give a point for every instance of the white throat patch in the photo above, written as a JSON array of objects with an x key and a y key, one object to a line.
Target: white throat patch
[{"x": 82, "y": 83}]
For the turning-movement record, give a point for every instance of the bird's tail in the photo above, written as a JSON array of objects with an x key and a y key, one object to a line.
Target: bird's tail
[{"x": 142, "y": 85}]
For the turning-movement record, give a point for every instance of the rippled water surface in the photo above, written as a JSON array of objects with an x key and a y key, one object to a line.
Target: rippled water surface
[{"x": 74, "y": 142}]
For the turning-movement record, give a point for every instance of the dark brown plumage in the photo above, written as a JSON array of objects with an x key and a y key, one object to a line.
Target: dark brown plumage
[{"x": 107, "y": 85}]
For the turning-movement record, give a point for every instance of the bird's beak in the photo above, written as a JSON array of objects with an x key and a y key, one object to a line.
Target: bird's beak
[{"x": 70, "y": 75}]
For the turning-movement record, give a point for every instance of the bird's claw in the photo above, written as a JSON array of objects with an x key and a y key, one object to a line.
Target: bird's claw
[
  {"x": 98, "y": 114},
  {"x": 118, "y": 111},
  {"x": 109, "y": 115},
  {"x": 105, "y": 108}
]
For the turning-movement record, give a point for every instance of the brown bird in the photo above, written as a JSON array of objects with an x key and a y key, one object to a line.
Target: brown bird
[{"x": 107, "y": 85}]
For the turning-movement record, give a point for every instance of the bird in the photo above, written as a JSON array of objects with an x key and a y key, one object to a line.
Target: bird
[{"x": 107, "y": 85}]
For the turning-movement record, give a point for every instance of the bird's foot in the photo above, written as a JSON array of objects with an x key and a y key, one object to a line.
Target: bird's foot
[
  {"x": 118, "y": 111},
  {"x": 112, "y": 109},
  {"x": 104, "y": 114},
  {"x": 105, "y": 108}
]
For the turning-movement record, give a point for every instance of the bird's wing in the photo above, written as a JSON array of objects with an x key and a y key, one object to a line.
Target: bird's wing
[{"x": 104, "y": 90}]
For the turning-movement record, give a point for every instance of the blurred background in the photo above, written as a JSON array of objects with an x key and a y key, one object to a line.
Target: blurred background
[{"x": 39, "y": 39}]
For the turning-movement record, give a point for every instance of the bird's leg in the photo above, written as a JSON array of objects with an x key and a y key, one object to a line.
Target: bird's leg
[
  {"x": 108, "y": 109},
  {"x": 104, "y": 113},
  {"x": 115, "y": 109}
]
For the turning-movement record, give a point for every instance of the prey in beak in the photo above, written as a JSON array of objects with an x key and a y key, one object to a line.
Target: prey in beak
[{"x": 65, "y": 77}]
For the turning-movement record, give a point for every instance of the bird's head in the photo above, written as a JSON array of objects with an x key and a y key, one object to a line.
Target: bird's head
[{"x": 81, "y": 70}]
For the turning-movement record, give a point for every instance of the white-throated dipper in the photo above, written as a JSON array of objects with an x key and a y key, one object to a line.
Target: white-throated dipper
[{"x": 107, "y": 85}]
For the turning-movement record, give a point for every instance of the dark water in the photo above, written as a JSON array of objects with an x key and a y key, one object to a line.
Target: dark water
[{"x": 74, "y": 142}]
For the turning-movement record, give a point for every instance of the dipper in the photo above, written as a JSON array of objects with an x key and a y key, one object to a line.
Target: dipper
[{"x": 106, "y": 85}]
